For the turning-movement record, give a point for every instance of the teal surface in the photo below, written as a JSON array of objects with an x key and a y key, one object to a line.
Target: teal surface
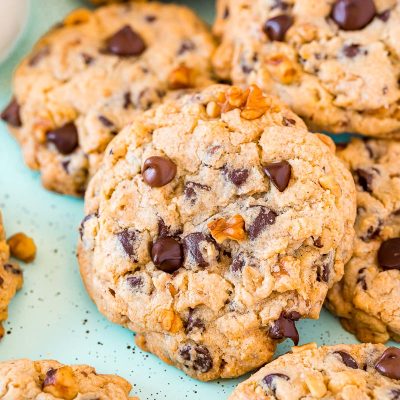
[{"x": 52, "y": 316}]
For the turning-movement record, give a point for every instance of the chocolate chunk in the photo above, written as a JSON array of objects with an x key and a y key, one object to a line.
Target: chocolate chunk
[
  {"x": 279, "y": 173},
  {"x": 106, "y": 122},
  {"x": 372, "y": 232},
  {"x": 285, "y": 327},
  {"x": 288, "y": 121},
  {"x": 389, "y": 254},
  {"x": 347, "y": 359},
  {"x": 190, "y": 189},
  {"x": 323, "y": 273},
  {"x": 38, "y": 56},
  {"x": 127, "y": 100},
  {"x": 135, "y": 282},
  {"x": 50, "y": 378},
  {"x": 128, "y": 238},
  {"x": 83, "y": 222},
  {"x": 276, "y": 28},
  {"x": 269, "y": 381},
  {"x": 237, "y": 263},
  {"x": 158, "y": 171},
  {"x": 361, "y": 279},
  {"x": 1, "y": 281},
  {"x": 318, "y": 243},
  {"x": 389, "y": 363},
  {"x": 197, "y": 357},
  {"x": 163, "y": 229},
  {"x": 264, "y": 218},
  {"x": 395, "y": 394},
  {"x": 65, "y": 138},
  {"x": 126, "y": 42},
  {"x": 150, "y": 18},
  {"x": 191, "y": 247},
  {"x": 384, "y": 16},
  {"x": 351, "y": 50},
  {"x": 11, "y": 114},
  {"x": 186, "y": 46},
  {"x": 87, "y": 58},
  {"x": 226, "y": 13},
  {"x": 365, "y": 179},
  {"x": 237, "y": 176},
  {"x": 166, "y": 254},
  {"x": 12, "y": 269},
  {"x": 194, "y": 322},
  {"x": 352, "y": 15}
]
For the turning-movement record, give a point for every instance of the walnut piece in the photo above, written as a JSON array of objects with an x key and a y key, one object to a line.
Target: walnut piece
[
  {"x": 22, "y": 247},
  {"x": 61, "y": 383},
  {"x": 281, "y": 68},
  {"x": 78, "y": 16},
  {"x": 170, "y": 321},
  {"x": 233, "y": 228},
  {"x": 180, "y": 78}
]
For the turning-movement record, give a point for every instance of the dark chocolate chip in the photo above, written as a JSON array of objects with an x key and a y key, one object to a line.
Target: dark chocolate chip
[
  {"x": 276, "y": 28},
  {"x": 264, "y": 218},
  {"x": 237, "y": 263},
  {"x": 127, "y": 100},
  {"x": 389, "y": 254},
  {"x": 126, "y": 42},
  {"x": 186, "y": 46},
  {"x": 163, "y": 229},
  {"x": 158, "y": 171},
  {"x": 372, "y": 232},
  {"x": 285, "y": 327},
  {"x": 226, "y": 13},
  {"x": 65, "y": 138},
  {"x": 384, "y": 16},
  {"x": 50, "y": 378},
  {"x": 389, "y": 363},
  {"x": 38, "y": 56},
  {"x": 128, "y": 238},
  {"x": 83, "y": 222},
  {"x": 280, "y": 4},
  {"x": 361, "y": 279},
  {"x": 191, "y": 247},
  {"x": 352, "y": 15},
  {"x": 112, "y": 292},
  {"x": 150, "y": 18},
  {"x": 166, "y": 254},
  {"x": 347, "y": 359},
  {"x": 135, "y": 282},
  {"x": 288, "y": 121},
  {"x": 106, "y": 122},
  {"x": 395, "y": 394},
  {"x": 11, "y": 114},
  {"x": 197, "y": 357},
  {"x": 1, "y": 281},
  {"x": 269, "y": 381},
  {"x": 365, "y": 179},
  {"x": 279, "y": 173},
  {"x": 12, "y": 269},
  {"x": 190, "y": 189},
  {"x": 87, "y": 58},
  {"x": 237, "y": 176},
  {"x": 194, "y": 322},
  {"x": 323, "y": 273},
  {"x": 351, "y": 50},
  {"x": 318, "y": 243}
]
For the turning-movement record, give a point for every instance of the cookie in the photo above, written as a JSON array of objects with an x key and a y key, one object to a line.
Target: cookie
[
  {"x": 91, "y": 74},
  {"x": 342, "y": 372},
  {"x": 335, "y": 62},
  {"x": 48, "y": 379},
  {"x": 10, "y": 278},
  {"x": 102, "y": 2},
  {"x": 367, "y": 300},
  {"x": 216, "y": 222}
]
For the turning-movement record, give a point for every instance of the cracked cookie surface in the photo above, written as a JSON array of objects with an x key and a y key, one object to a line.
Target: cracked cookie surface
[
  {"x": 90, "y": 75},
  {"x": 342, "y": 372},
  {"x": 337, "y": 69},
  {"x": 215, "y": 222},
  {"x": 10, "y": 277},
  {"x": 368, "y": 298},
  {"x": 48, "y": 379}
]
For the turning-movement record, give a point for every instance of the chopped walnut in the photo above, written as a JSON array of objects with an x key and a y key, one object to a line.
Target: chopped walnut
[
  {"x": 180, "y": 78},
  {"x": 78, "y": 16},
  {"x": 213, "y": 110},
  {"x": 170, "y": 321},
  {"x": 316, "y": 385},
  {"x": 61, "y": 383},
  {"x": 328, "y": 141},
  {"x": 328, "y": 182},
  {"x": 22, "y": 247},
  {"x": 304, "y": 347},
  {"x": 281, "y": 68},
  {"x": 233, "y": 228}
]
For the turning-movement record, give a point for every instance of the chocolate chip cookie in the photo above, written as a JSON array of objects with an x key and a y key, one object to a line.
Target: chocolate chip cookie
[
  {"x": 10, "y": 278},
  {"x": 335, "y": 62},
  {"x": 367, "y": 300},
  {"x": 47, "y": 379},
  {"x": 342, "y": 372},
  {"x": 216, "y": 222},
  {"x": 90, "y": 75}
]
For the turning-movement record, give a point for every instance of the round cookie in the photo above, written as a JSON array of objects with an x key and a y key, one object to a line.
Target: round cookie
[
  {"x": 48, "y": 379},
  {"x": 90, "y": 75},
  {"x": 342, "y": 372},
  {"x": 367, "y": 300},
  {"x": 215, "y": 222},
  {"x": 10, "y": 278},
  {"x": 335, "y": 62}
]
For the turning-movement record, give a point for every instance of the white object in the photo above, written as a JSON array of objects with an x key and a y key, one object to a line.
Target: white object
[{"x": 13, "y": 18}]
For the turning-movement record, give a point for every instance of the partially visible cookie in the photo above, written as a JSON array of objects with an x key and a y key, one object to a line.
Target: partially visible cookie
[
  {"x": 342, "y": 372},
  {"x": 47, "y": 379},
  {"x": 367, "y": 300},
  {"x": 216, "y": 222},
  {"x": 335, "y": 62},
  {"x": 10, "y": 278},
  {"x": 89, "y": 76}
]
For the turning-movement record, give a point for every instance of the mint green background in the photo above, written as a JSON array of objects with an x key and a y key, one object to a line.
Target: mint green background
[{"x": 52, "y": 316}]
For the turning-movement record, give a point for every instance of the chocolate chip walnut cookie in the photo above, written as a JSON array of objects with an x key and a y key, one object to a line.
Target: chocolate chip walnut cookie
[
  {"x": 342, "y": 372},
  {"x": 47, "y": 379},
  {"x": 368, "y": 298},
  {"x": 90, "y": 75},
  {"x": 216, "y": 222},
  {"x": 336, "y": 63},
  {"x": 10, "y": 278}
]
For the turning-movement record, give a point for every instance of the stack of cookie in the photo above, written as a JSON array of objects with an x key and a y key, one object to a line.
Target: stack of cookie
[{"x": 215, "y": 218}]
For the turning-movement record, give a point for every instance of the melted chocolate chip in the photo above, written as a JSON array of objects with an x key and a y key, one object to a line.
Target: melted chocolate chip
[
  {"x": 384, "y": 16},
  {"x": 166, "y": 254},
  {"x": 288, "y": 121},
  {"x": 285, "y": 327},
  {"x": 50, "y": 378},
  {"x": 11, "y": 114},
  {"x": 191, "y": 247},
  {"x": 237, "y": 176},
  {"x": 318, "y": 243},
  {"x": 352, "y": 15},
  {"x": 106, "y": 122},
  {"x": 264, "y": 218},
  {"x": 65, "y": 138},
  {"x": 279, "y": 173},
  {"x": 190, "y": 189},
  {"x": 323, "y": 273},
  {"x": 126, "y": 42},
  {"x": 186, "y": 46},
  {"x": 135, "y": 282},
  {"x": 197, "y": 357},
  {"x": 269, "y": 381},
  {"x": 361, "y": 279},
  {"x": 128, "y": 238},
  {"x": 389, "y": 363},
  {"x": 158, "y": 171},
  {"x": 163, "y": 229},
  {"x": 351, "y": 50},
  {"x": 276, "y": 28},
  {"x": 194, "y": 322},
  {"x": 389, "y": 254},
  {"x": 365, "y": 179},
  {"x": 347, "y": 359}
]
